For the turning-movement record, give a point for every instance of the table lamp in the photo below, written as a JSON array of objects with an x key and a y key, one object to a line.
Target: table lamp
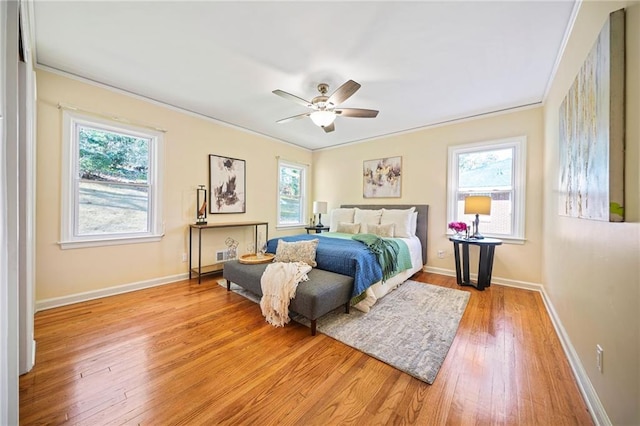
[
  {"x": 477, "y": 204},
  {"x": 319, "y": 207},
  {"x": 201, "y": 205}
]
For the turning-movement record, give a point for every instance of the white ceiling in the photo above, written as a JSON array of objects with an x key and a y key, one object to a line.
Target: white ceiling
[{"x": 419, "y": 63}]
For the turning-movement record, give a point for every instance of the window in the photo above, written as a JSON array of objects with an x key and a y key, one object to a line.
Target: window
[
  {"x": 292, "y": 194},
  {"x": 111, "y": 183},
  {"x": 496, "y": 169}
]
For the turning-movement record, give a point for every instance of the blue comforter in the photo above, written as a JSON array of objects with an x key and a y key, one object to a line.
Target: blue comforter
[{"x": 342, "y": 256}]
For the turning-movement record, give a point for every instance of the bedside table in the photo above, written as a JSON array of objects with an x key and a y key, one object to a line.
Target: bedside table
[
  {"x": 485, "y": 266},
  {"x": 316, "y": 229}
]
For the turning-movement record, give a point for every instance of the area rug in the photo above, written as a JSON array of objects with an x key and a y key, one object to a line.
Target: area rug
[{"x": 411, "y": 328}]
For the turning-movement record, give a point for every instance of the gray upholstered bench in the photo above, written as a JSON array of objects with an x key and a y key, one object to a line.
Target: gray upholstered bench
[{"x": 324, "y": 292}]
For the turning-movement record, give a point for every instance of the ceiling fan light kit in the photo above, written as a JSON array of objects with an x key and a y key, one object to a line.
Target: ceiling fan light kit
[
  {"x": 324, "y": 107},
  {"x": 322, "y": 118}
]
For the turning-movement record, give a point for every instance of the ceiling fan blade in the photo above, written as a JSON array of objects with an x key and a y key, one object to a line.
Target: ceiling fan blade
[
  {"x": 344, "y": 92},
  {"x": 330, "y": 128},
  {"x": 356, "y": 112},
  {"x": 295, "y": 117},
  {"x": 293, "y": 98}
]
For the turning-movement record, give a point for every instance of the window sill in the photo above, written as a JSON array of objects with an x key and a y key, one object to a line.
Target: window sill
[
  {"x": 65, "y": 245},
  {"x": 287, "y": 227},
  {"x": 512, "y": 240}
]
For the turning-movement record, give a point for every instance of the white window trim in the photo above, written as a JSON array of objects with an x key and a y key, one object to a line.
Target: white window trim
[
  {"x": 519, "y": 143},
  {"x": 68, "y": 239},
  {"x": 304, "y": 198}
]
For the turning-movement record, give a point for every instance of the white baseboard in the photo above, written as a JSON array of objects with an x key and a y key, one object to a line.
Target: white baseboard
[
  {"x": 494, "y": 280},
  {"x": 598, "y": 413},
  {"x": 104, "y": 292},
  {"x": 33, "y": 353}
]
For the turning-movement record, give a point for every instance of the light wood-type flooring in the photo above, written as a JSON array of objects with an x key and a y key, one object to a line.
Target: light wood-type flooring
[{"x": 194, "y": 354}]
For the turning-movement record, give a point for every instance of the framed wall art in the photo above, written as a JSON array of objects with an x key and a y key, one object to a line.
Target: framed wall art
[
  {"x": 382, "y": 178},
  {"x": 227, "y": 187},
  {"x": 591, "y": 136}
]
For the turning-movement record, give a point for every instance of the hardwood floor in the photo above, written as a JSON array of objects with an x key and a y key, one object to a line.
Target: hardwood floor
[{"x": 194, "y": 354}]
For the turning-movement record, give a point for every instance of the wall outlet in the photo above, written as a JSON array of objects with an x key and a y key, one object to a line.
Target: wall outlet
[
  {"x": 184, "y": 257},
  {"x": 599, "y": 357},
  {"x": 440, "y": 254}
]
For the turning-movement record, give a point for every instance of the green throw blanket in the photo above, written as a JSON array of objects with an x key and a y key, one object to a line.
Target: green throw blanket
[{"x": 386, "y": 251}]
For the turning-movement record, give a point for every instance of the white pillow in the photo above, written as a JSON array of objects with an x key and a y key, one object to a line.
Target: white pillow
[
  {"x": 401, "y": 219},
  {"x": 367, "y": 217},
  {"x": 340, "y": 215},
  {"x": 414, "y": 223}
]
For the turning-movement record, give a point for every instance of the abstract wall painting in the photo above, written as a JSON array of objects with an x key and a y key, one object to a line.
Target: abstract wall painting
[
  {"x": 226, "y": 185},
  {"x": 382, "y": 178},
  {"x": 592, "y": 131}
]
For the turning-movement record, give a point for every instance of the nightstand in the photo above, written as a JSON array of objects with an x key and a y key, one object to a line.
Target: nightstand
[
  {"x": 316, "y": 229},
  {"x": 485, "y": 267}
]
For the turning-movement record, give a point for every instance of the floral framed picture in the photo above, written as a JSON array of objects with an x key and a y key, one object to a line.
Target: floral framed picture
[
  {"x": 227, "y": 187},
  {"x": 382, "y": 178}
]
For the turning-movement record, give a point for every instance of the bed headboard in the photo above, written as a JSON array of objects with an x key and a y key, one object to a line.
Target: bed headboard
[{"x": 422, "y": 220}]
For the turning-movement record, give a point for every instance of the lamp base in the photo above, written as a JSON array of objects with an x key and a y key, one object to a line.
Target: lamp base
[
  {"x": 319, "y": 224},
  {"x": 476, "y": 235}
]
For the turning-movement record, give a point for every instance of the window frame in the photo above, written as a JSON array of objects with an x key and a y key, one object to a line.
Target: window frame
[
  {"x": 303, "y": 194},
  {"x": 519, "y": 172},
  {"x": 70, "y": 172}
]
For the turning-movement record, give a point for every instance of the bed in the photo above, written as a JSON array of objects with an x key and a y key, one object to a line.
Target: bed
[{"x": 337, "y": 252}]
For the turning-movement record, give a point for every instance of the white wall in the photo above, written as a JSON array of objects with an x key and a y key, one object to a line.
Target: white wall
[
  {"x": 8, "y": 214},
  {"x": 27, "y": 196},
  {"x": 591, "y": 268}
]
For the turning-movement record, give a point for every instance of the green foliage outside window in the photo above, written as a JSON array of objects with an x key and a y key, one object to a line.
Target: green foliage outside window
[
  {"x": 111, "y": 156},
  {"x": 290, "y": 195}
]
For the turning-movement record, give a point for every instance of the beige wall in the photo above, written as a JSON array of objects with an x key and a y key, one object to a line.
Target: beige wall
[
  {"x": 338, "y": 179},
  {"x": 189, "y": 140},
  {"x": 591, "y": 271}
]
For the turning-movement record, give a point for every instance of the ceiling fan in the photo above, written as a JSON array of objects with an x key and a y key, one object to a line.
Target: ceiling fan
[{"x": 324, "y": 107}]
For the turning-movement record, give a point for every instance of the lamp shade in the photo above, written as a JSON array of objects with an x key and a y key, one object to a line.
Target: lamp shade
[
  {"x": 319, "y": 207},
  {"x": 477, "y": 204},
  {"x": 323, "y": 118}
]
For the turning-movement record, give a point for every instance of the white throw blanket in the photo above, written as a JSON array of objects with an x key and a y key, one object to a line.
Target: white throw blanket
[{"x": 279, "y": 283}]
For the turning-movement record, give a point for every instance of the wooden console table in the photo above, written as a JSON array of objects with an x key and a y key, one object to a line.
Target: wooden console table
[
  {"x": 217, "y": 267},
  {"x": 485, "y": 266}
]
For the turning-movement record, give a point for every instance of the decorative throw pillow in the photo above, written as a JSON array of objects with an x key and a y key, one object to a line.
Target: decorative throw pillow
[
  {"x": 366, "y": 218},
  {"x": 401, "y": 219},
  {"x": 348, "y": 228},
  {"x": 340, "y": 215},
  {"x": 297, "y": 251},
  {"x": 382, "y": 230}
]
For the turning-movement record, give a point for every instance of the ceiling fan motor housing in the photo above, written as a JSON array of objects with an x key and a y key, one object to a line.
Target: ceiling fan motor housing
[{"x": 320, "y": 102}]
